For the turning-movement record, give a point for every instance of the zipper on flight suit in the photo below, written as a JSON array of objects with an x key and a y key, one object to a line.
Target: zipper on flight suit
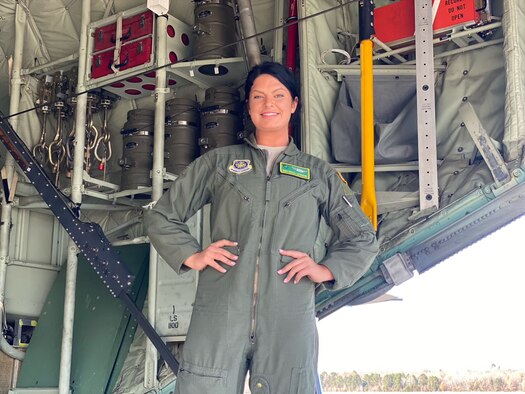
[
  {"x": 301, "y": 192},
  {"x": 234, "y": 187},
  {"x": 256, "y": 275}
]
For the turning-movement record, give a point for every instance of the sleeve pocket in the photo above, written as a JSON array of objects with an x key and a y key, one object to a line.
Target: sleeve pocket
[{"x": 350, "y": 222}]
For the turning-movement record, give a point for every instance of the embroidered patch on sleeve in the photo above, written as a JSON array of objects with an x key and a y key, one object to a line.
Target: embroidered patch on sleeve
[
  {"x": 240, "y": 166},
  {"x": 293, "y": 170}
]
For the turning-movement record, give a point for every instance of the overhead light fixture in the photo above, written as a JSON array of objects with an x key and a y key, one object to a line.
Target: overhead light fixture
[{"x": 159, "y": 7}]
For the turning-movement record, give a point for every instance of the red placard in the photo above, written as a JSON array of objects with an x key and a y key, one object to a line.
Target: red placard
[{"x": 395, "y": 23}]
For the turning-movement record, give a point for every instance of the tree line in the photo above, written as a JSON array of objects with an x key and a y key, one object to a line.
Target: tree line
[{"x": 493, "y": 380}]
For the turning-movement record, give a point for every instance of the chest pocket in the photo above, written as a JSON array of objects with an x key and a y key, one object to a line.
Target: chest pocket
[
  {"x": 297, "y": 221},
  {"x": 231, "y": 208},
  {"x": 294, "y": 198},
  {"x": 227, "y": 184}
]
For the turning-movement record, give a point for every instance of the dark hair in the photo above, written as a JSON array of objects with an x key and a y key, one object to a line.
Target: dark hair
[{"x": 278, "y": 71}]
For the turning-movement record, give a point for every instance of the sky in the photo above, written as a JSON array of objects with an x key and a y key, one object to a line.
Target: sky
[{"x": 466, "y": 313}]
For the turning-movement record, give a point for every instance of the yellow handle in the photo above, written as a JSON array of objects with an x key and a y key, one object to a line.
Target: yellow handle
[{"x": 368, "y": 197}]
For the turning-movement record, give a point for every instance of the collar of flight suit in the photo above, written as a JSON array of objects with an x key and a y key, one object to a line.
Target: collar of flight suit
[{"x": 291, "y": 149}]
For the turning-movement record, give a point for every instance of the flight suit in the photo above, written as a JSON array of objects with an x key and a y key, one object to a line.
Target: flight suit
[{"x": 248, "y": 318}]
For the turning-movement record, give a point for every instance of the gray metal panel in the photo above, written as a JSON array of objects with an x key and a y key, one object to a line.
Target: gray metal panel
[
  {"x": 27, "y": 287},
  {"x": 176, "y": 293},
  {"x": 175, "y": 296},
  {"x": 37, "y": 237},
  {"x": 37, "y": 251}
]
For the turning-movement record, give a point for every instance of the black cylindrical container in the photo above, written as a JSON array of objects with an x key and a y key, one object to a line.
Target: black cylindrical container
[
  {"x": 215, "y": 28},
  {"x": 182, "y": 134},
  {"x": 221, "y": 118},
  {"x": 137, "y": 155}
]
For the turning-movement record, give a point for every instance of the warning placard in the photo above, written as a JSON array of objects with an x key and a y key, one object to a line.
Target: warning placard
[
  {"x": 395, "y": 23},
  {"x": 455, "y": 12}
]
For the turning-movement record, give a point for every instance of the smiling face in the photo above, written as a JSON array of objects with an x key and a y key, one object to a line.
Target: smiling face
[{"x": 271, "y": 106}]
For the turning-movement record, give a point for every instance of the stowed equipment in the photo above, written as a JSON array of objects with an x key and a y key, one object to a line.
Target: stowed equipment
[{"x": 89, "y": 237}]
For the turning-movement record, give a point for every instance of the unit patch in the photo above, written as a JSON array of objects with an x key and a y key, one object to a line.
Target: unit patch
[
  {"x": 293, "y": 170},
  {"x": 240, "y": 166}
]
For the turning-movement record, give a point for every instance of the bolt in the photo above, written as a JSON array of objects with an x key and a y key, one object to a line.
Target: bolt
[
  {"x": 465, "y": 72},
  {"x": 465, "y": 98}
]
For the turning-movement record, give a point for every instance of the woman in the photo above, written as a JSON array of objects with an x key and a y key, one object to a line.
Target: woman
[{"x": 254, "y": 308}]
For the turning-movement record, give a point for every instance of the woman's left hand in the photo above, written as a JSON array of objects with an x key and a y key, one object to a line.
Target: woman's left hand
[{"x": 303, "y": 265}]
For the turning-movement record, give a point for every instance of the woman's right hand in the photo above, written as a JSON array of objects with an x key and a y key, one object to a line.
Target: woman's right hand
[{"x": 212, "y": 256}]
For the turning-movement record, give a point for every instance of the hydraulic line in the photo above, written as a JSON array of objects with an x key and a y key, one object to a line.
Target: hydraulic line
[{"x": 253, "y": 51}]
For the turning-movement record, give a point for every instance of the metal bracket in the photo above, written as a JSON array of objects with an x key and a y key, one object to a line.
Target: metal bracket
[
  {"x": 484, "y": 144},
  {"x": 397, "y": 269},
  {"x": 426, "y": 118}
]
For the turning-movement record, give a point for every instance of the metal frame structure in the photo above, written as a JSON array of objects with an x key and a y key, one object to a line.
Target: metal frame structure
[
  {"x": 413, "y": 252},
  {"x": 424, "y": 69},
  {"x": 103, "y": 190},
  {"x": 426, "y": 107},
  {"x": 88, "y": 237},
  {"x": 457, "y": 36}
]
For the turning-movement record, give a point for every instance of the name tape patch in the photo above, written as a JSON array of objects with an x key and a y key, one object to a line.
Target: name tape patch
[{"x": 293, "y": 170}]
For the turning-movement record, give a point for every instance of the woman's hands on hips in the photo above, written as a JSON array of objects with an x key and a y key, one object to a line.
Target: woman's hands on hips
[
  {"x": 303, "y": 265},
  {"x": 212, "y": 256}
]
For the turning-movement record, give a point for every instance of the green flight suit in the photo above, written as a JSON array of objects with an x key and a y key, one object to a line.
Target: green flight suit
[{"x": 248, "y": 318}]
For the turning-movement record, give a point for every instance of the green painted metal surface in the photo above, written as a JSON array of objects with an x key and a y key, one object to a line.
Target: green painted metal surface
[{"x": 103, "y": 330}]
